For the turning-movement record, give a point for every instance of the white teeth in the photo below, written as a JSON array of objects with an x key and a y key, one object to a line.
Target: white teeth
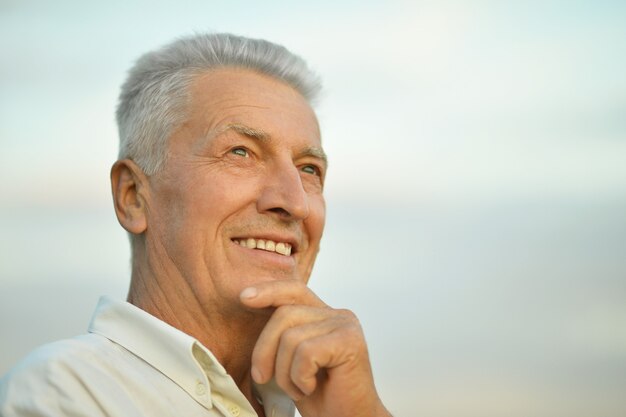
[
  {"x": 267, "y": 245},
  {"x": 280, "y": 248}
]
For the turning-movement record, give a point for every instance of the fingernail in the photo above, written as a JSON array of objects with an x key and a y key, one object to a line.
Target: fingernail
[
  {"x": 256, "y": 375},
  {"x": 249, "y": 292}
]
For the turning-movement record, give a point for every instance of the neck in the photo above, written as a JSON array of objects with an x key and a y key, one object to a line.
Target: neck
[{"x": 229, "y": 333}]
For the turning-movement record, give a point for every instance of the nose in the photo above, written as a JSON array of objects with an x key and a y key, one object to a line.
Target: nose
[{"x": 283, "y": 193}]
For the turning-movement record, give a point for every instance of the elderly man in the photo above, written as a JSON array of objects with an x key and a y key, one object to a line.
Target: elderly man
[{"x": 220, "y": 185}]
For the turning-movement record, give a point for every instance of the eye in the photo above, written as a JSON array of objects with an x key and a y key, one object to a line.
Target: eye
[
  {"x": 311, "y": 169},
  {"x": 240, "y": 152}
]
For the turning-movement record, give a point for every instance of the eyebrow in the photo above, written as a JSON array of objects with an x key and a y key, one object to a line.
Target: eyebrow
[
  {"x": 315, "y": 153},
  {"x": 263, "y": 136},
  {"x": 248, "y": 131}
]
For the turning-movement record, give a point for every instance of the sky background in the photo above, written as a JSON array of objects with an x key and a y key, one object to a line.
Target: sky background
[{"x": 476, "y": 192}]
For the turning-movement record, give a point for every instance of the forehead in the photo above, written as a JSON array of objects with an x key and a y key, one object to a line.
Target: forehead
[{"x": 229, "y": 96}]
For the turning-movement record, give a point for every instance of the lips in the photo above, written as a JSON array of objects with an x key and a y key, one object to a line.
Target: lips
[{"x": 282, "y": 248}]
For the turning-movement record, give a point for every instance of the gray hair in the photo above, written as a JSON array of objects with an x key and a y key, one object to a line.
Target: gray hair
[{"x": 154, "y": 97}]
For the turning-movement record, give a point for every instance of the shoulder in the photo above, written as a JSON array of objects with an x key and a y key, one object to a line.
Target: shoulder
[
  {"x": 67, "y": 356},
  {"x": 54, "y": 378}
]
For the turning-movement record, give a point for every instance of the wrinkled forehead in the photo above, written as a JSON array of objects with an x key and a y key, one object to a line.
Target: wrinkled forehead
[{"x": 233, "y": 96}]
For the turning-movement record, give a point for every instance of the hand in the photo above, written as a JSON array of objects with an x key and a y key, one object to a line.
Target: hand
[{"x": 316, "y": 354}]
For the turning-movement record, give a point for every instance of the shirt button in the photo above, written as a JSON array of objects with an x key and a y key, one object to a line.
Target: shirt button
[
  {"x": 234, "y": 410},
  {"x": 200, "y": 388}
]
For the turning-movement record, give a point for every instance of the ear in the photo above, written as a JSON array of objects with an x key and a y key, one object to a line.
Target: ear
[{"x": 128, "y": 184}]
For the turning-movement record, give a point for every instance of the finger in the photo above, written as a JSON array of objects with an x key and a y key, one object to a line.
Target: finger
[
  {"x": 327, "y": 351},
  {"x": 284, "y": 318},
  {"x": 279, "y": 293},
  {"x": 289, "y": 342}
]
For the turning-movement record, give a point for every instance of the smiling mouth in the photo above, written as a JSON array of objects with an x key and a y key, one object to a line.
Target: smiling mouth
[{"x": 282, "y": 248}]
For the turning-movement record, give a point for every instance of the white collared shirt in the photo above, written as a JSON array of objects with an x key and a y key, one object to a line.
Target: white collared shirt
[{"x": 130, "y": 364}]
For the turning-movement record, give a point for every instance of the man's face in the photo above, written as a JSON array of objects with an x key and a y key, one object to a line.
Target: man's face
[{"x": 240, "y": 198}]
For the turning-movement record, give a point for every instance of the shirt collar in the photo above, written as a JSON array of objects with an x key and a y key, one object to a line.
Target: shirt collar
[{"x": 176, "y": 355}]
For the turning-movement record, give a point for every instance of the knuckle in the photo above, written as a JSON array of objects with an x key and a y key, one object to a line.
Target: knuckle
[
  {"x": 304, "y": 381},
  {"x": 350, "y": 331},
  {"x": 305, "y": 351},
  {"x": 345, "y": 319},
  {"x": 347, "y": 314},
  {"x": 351, "y": 320},
  {"x": 290, "y": 338}
]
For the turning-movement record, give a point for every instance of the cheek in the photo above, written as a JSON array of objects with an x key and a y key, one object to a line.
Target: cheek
[
  {"x": 317, "y": 218},
  {"x": 208, "y": 205},
  {"x": 184, "y": 211}
]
